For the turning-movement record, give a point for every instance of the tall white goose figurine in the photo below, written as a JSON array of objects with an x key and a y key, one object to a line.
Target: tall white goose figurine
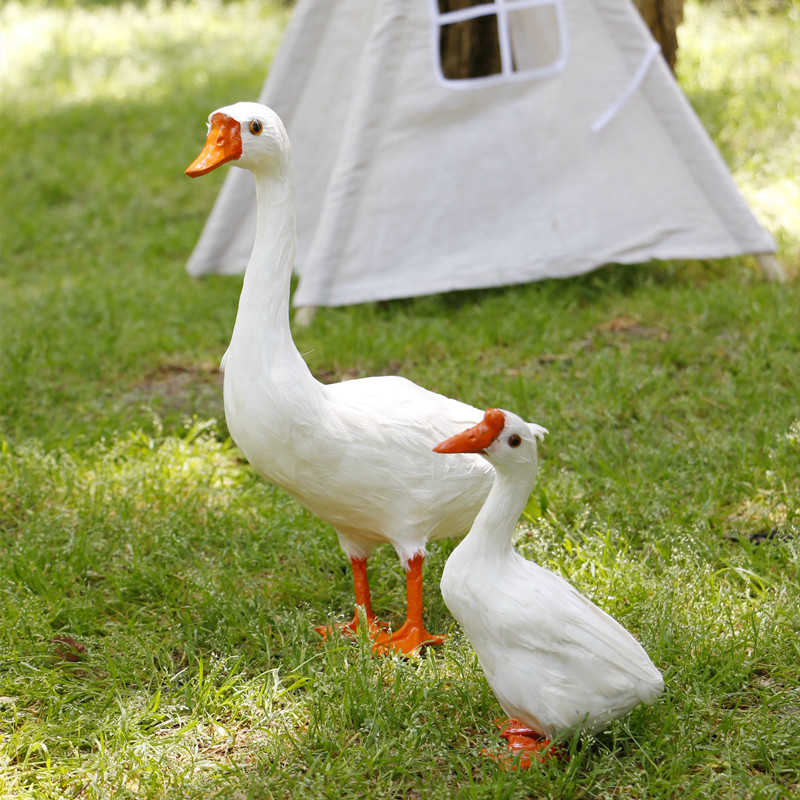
[
  {"x": 554, "y": 660},
  {"x": 359, "y": 453}
]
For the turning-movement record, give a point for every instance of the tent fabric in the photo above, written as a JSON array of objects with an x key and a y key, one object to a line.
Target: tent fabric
[{"x": 409, "y": 183}]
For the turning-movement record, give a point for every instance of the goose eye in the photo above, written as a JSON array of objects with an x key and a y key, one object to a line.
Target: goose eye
[
  {"x": 514, "y": 441},
  {"x": 256, "y": 127}
]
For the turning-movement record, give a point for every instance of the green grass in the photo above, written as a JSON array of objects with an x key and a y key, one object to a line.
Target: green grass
[{"x": 157, "y": 599}]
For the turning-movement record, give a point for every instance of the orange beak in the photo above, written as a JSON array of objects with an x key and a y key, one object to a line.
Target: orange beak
[
  {"x": 224, "y": 143},
  {"x": 477, "y": 438}
]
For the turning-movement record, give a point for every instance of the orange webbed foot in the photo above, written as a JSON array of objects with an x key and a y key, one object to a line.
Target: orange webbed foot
[
  {"x": 408, "y": 640},
  {"x": 377, "y": 629}
]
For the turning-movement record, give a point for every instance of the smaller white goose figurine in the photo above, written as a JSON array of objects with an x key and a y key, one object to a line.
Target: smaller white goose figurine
[{"x": 554, "y": 660}]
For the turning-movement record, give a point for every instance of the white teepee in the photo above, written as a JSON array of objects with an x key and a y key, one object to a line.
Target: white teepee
[{"x": 583, "y": 151}]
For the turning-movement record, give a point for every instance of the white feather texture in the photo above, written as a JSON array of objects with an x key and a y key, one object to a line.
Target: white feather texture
[
  {"x": 358, "y": 453},
  {"x": 554, "y": 660}
]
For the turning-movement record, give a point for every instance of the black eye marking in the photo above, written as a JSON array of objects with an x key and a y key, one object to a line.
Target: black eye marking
[
  {"x": 256, "y": 127},
  {"x": 514, "y": 440}
]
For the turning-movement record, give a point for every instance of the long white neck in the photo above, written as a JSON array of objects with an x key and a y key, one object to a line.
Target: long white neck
[
  {"x": 490, "y": 536},
  {"x": 262, "y": 321}
]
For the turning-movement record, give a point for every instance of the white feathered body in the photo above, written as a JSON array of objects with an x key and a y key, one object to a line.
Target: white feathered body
[
  {"x": 553, "y": 659},
  {"x": 359, "y": 454}
]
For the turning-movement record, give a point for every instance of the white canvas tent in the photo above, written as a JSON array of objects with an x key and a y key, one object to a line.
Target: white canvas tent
[{"x": 581, "y": 151}]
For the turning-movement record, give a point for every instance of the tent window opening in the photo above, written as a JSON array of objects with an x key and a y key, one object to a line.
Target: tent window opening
[{"x": 489, "y": 41}]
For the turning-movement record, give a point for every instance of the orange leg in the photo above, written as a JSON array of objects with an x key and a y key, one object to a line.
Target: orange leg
[
  {"x": 511, "y": 726},
  {"x": 524, "y": 744},
  {"x": 412, "y": 635},
  {"x": 361, "y": 586}
]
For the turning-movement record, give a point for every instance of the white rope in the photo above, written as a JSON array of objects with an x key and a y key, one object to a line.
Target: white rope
[{"x": 628, "y": 91}]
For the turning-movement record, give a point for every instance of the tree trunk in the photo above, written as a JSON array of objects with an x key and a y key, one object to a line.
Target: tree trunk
[
  {"x": 469, "y": 49},
  {"x": 663, "y": 18}
]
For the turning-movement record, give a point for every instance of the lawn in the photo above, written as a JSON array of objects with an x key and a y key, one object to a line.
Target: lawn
[{"x": 157, "y": 599}]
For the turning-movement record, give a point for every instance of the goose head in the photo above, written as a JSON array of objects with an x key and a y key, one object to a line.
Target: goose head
[
  {"x": 249, "y": 134},
  {"x": 501, "y": 437}
]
